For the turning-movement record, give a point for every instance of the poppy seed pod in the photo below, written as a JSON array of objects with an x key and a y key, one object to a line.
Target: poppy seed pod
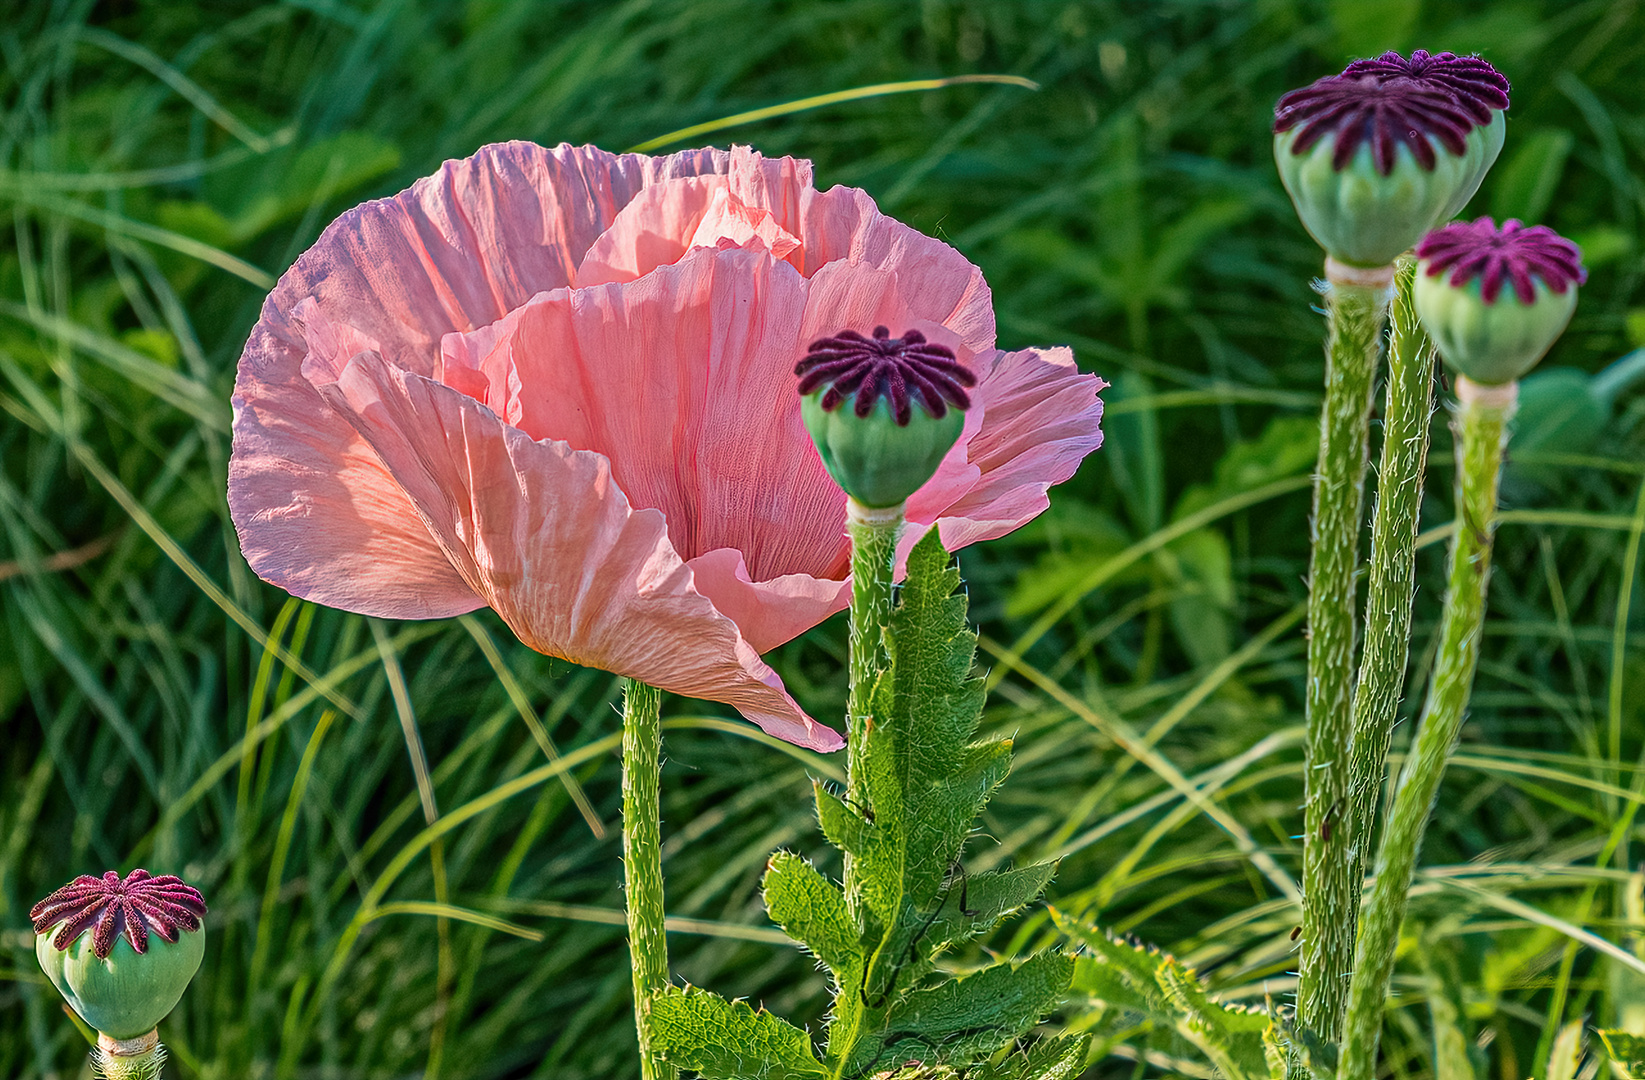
[
  {"x": 907, "y": 399},
  {"x": 1375, "y": 157},
  {"x": 1491, "y": 334},
  {"x": 123, "y": 951}
]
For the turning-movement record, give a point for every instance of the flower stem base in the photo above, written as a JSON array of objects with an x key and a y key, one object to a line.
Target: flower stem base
[
  {"x": 128, "y": 1059},
  {"x": 643, "y": 862},
  {"x": 1481, "y": 425},
  {"x": 1356, "y": 307}
]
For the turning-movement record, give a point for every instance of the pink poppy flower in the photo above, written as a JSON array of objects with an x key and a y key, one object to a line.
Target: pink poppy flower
[{"x": 560, "y": 383}]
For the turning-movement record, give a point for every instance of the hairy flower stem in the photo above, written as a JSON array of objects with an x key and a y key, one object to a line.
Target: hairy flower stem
[
  {"x": 1405, "y": 427},
  {"x": 1481, "y": 424},
  {"x": 1356, "y": 306},
  {"x": 128, "y": 1059},
  {"x": 643, "y": 861},
  {"x": 873, "y": 535}
]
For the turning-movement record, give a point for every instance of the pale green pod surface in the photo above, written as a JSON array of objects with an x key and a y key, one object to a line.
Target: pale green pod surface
[
  {"x": 1493, "y": 135},
  {"x": 1364, "y": 218},
  {"x": 129, "y": 993},
  {"x": 877, "y": 461},
  {"x": 1491, "y": 343}
]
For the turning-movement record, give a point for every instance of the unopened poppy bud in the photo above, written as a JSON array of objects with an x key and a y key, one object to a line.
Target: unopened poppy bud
[
  {"x": 1375, "y": 157},
  {"x": 121, "y": 952},
  {"x": 882, "y": 410},
  {"x": 1491, "y": 333}
]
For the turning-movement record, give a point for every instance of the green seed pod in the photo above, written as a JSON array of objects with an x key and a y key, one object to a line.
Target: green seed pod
[
  {"x": 883, "y": 448},
  {"x": 1493, "y": 335},
  {"x": 1375, "y": 157},
  {"x": 123, "y": 951},
  {"x": 1362, "y": 217}
]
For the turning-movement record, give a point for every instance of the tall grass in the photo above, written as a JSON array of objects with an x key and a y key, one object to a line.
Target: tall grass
[{"x": 406, "y": 831}]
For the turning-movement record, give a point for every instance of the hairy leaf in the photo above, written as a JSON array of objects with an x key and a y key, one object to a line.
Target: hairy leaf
[
  {"x": 1119, "y": 972},
  {"x": 926, "y": 781},
  {"x": 964, "y": 1019},
  {"x": 1626, "y": 1050},
  {"x": 976, "y": 903},
  {"x": 1049, "y": 1059},
  {"x": 812, "y": 910},
  {"x": 1231, "y": 1037},
  {"x": 728, "y": 1040}
]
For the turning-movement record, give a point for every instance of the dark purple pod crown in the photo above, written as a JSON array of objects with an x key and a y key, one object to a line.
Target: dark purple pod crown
[
  {"x": 900, "y": 369},
  {"x": 1392, "y": 101},
  {"x": 111, "y": 908},
  {"x": 1376, "y": 156},
  {"x": 1513, "y": 254},
  {"x": 1495, "y": 300},
  {"x": 881, "y": 456}
]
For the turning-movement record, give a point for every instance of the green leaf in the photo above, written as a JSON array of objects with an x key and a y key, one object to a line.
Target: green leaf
[
  {"x": 925, "y": 780},
  {"x": 1233, "y": 1038},
  {"x": 1119, "y": 972},
  {"x": 1446, "y": 992},
  {"x": 843, "y": 826},
  {"x": 1287, "y": 446},
  {"x": 965, "y": 1019},
  {"x": 1049, "y": 1059},
  {"x": 812, "y": 910},
  {"x": 326, "y": 170},
  {"x": 980, "y": 901},
  {"x": 1626, "y": 1050},
  {"x": 728, "y": 1040}
]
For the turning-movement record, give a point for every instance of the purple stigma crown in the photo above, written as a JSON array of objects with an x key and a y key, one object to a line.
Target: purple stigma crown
[
  {"x": 900, "y": 368},
  {"x": 1391, "y": 100},
  {"x": 1512, "y": 253},
  {"x": 110, "y": 907}
]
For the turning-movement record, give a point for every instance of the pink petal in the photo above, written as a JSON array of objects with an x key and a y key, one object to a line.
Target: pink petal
[
  {"x": 1040, "y": 418},
  {"x": 684, "y": 379},
  {"x": 841, "y": 224},
  {"x": 544, "y": 535},
  {"x": 313, "y": 507},
  {"x": 667, "y": 220},
  {"x": 934, "y": 280},
  {"x": 767, "y": 612},
  {"x": 317, "y": 513},
  {"x": 728, "y": 218}
]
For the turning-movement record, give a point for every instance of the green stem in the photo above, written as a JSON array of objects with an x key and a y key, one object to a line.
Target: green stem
[
  {"x": 643, "y": 861},
  {"x": 1481, "y": 425},
  {"x": 873, "y": 535},
  {"x": 1405, "y": 428},
  {"x": 1356, "y": 306},
  {"x": 128, "y": 1059}
]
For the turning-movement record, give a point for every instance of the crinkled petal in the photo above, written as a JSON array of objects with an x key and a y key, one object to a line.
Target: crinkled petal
[
  {"x": 457, "y": 250},
  {"x": 936, "y": 282},
  {"x": 767, "y": 612},
  {"x": 545, "y": 536},
  {"x": 668, "y": 219},
  {"x": 317, "y": 513},
  {"x": 1040, "y": 417},
  {"x": 684, "y": 379},
  {"x": 841, "y": 225}
]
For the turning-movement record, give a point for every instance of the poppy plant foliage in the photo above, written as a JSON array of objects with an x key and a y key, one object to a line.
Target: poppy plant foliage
[{"x": 560, "y": 383}]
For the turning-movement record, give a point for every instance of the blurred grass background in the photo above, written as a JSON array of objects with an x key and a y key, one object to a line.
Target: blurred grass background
[{"x": 162, "y": 162}]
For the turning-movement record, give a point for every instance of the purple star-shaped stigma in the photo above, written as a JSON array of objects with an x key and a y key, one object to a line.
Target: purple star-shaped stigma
[
  {"x": 900, "y": 368},
  {"x": 1512, "y": 253},
  {"x": 110, "y": 907},
  {"x": 1391, "y": 100}
]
